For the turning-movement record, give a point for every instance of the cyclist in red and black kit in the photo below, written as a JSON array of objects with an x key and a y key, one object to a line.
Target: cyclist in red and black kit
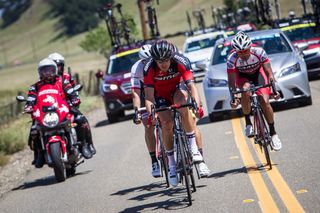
[
  {"x": 164, "y": 75},
  {"x": 251, "y": 64}
]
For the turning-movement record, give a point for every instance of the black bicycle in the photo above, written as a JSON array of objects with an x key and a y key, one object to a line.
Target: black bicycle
[
  {"x": 261, "y": 131},
  {"x": 184, "y": 164}
]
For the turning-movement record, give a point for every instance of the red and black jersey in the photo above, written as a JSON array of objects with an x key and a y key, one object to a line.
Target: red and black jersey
[{"x": 165, "y": 83}]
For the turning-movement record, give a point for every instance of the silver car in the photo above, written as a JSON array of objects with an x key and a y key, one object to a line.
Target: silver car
[{"x": 287, "y": 63}]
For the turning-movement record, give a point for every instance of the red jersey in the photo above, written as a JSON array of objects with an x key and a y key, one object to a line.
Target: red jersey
[{"x": 165, "y": 83}]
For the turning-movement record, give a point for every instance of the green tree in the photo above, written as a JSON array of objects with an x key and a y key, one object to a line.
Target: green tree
[
  {"x": 77, "y": 16},
  {"x": 12, "y": 10},
  {"x": 97, "y": 40}
]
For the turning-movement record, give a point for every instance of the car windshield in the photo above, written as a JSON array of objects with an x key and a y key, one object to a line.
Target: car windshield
[
  {"x": 202, "y": 44},
  {"x": 122, "y": 63},
  {"x": 272, "y": 44},
  {"x": 297, "y": 34}
]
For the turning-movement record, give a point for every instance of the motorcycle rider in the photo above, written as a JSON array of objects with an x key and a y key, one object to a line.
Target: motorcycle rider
[
  {"x": 60, "y": 62},
  {"x": 47, "y": 70}
]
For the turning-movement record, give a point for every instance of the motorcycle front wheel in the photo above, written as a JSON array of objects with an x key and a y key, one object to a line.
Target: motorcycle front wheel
[{"x": 58, "y": 165}]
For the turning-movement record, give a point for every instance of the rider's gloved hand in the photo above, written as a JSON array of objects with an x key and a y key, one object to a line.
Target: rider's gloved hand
[
  {"x": 28, "y": 109},
  {"x": 234, "y": 103},
  {"x": 137, "y": 117},
  {"x": 200, "y": 112},
  {"x": 75, "y": 102}
]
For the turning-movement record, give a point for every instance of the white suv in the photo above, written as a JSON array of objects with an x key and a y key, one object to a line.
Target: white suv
[{"x": 199, "y": 49}]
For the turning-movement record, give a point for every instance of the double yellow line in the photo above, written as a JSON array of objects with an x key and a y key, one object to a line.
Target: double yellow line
[{"x": 266, "y": 200}]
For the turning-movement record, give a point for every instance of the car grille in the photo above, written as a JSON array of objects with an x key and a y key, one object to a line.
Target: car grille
[{"x": 126, "y": 88}]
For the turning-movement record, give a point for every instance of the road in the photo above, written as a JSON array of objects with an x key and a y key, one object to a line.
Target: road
[{"x": 118, "y": 178}]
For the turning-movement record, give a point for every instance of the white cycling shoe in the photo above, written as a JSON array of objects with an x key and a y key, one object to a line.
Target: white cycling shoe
[
  {"x": 275, "y": 142},
  {"x": 155, "y": 170},
  {"x": 249, "y": 131},
  {"x": 203, "y": 170},
  {"x": 172, "y": 175},
  {"x": 196, "y": 156}
]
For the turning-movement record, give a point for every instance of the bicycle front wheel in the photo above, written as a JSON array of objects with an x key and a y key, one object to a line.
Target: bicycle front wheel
[
  {"x": 183, "y": 164},
  {"x": 263, "y": 134}
]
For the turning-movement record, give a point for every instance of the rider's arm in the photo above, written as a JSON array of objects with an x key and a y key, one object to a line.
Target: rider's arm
[
  {"x": 149, "y": 89},
  {"x": 31, "y": 99},
  {"x": 268, "y": 70},
  {"x": 70, "y": 93}
]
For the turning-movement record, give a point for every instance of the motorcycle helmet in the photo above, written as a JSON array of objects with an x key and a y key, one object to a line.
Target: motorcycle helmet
[
  {"x": 47, "y": 70},
  {"x": 59, "y": 59}
]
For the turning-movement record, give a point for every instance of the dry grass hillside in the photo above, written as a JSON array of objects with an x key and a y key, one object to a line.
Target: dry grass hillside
[{"x": 31, "y": 38}]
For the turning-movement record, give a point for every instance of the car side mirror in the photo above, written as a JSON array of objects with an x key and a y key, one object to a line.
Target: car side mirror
[
  {"x": 99, "y": 74},
  {"x": 301, "y": 46},
  {"x": 202, "y": 64}
]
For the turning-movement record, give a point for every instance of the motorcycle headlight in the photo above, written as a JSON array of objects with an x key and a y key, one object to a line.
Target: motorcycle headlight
[
  {"x": 217, "y": 82},
  {"x": 109, "y": 87},
  {"x": 51, "y": 119},
  {"x": 290, "y": 70}
]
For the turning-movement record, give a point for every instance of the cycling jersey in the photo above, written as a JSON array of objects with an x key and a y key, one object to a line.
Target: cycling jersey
[
  {"x": 137, "y": 75},
  {"x": 250, "y": 70},
  {"x": 166, "y": 83}
]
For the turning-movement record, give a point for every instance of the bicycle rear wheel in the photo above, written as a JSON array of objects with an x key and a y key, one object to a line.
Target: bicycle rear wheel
[{"x": 263, "y": 134}]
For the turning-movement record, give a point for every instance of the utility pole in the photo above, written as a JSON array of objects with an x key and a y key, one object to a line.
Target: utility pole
[
  {"x": 143, "y": 19},
  {"x": 277, "y": 6}
]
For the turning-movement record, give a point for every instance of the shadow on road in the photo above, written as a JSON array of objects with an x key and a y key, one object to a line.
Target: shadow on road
[
  {"x": 44, "y": 181},
  {"x": 178, "y": 197},
  {"x": 38, "y": 182},
  {"x": 106, "y": 121}
]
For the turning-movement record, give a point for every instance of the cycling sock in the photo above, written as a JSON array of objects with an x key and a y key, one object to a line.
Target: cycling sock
[
  {"x": 153, "y": 157},
  {"x": 247, "y": 118},
  {"x": 272, "y": 129},
  {"x": 192, "y": 141},
  {"x": 171, "y": 160}
]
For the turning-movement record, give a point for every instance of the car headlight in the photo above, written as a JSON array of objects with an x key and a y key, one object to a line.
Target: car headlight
[
  {"x": 290, "y": 70},
  {"x": 217, "y": 82},
  {"x": 51, "y": 119},
  {"x": 109, "y": 87}
]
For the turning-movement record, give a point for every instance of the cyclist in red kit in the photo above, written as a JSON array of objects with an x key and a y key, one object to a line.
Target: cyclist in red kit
[
  {"x": 167, "y": 79},
  {"x": 251, "y": 64}
]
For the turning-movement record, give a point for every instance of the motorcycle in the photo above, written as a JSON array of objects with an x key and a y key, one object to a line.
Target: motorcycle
[{"x": 55, "y": 126}]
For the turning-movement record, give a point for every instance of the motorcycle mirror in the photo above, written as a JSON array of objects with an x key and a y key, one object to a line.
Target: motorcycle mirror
[
  {"x": 78, "y": 87},
  {"x": 20, "y": 98}
]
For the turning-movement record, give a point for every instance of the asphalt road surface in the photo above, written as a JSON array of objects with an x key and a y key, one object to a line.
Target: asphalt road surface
[{"x": 118, "y": 178}]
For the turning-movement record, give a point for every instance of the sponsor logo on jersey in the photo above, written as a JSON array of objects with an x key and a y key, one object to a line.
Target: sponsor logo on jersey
[
  {"x": 49, "y": 99},
  {"x": 168, "y": 77},
  {"x": 48, "y": 91}
]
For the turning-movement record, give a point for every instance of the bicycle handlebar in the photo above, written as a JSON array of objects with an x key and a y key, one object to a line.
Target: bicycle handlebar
[{"x": 253, "y": 88}]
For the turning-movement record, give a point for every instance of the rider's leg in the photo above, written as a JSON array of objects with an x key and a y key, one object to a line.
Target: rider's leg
[
  {"x": 151, "y": 145},
  {"x": 269, "y": 115},
  {"x": 167, "y": 135},
  {"x": 88, "y": 134},
  {"x": 246, "y": 109},
  {"x": 188, "y": 123}
]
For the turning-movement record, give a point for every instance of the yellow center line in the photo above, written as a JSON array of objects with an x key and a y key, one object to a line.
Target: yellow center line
[
  {"x": 267, "y": 203},
  {"x": 285, "y": 193}
]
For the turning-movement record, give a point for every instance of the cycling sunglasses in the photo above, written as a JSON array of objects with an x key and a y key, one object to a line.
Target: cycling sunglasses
[{"x": 162, "y": 61}]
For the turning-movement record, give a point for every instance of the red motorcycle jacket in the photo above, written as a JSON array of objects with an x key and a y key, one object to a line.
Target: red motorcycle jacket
[{"x": 64, "y": 88}]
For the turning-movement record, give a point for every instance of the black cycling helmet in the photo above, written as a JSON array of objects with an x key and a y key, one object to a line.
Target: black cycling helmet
[{"x": 161, "y": 50}]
